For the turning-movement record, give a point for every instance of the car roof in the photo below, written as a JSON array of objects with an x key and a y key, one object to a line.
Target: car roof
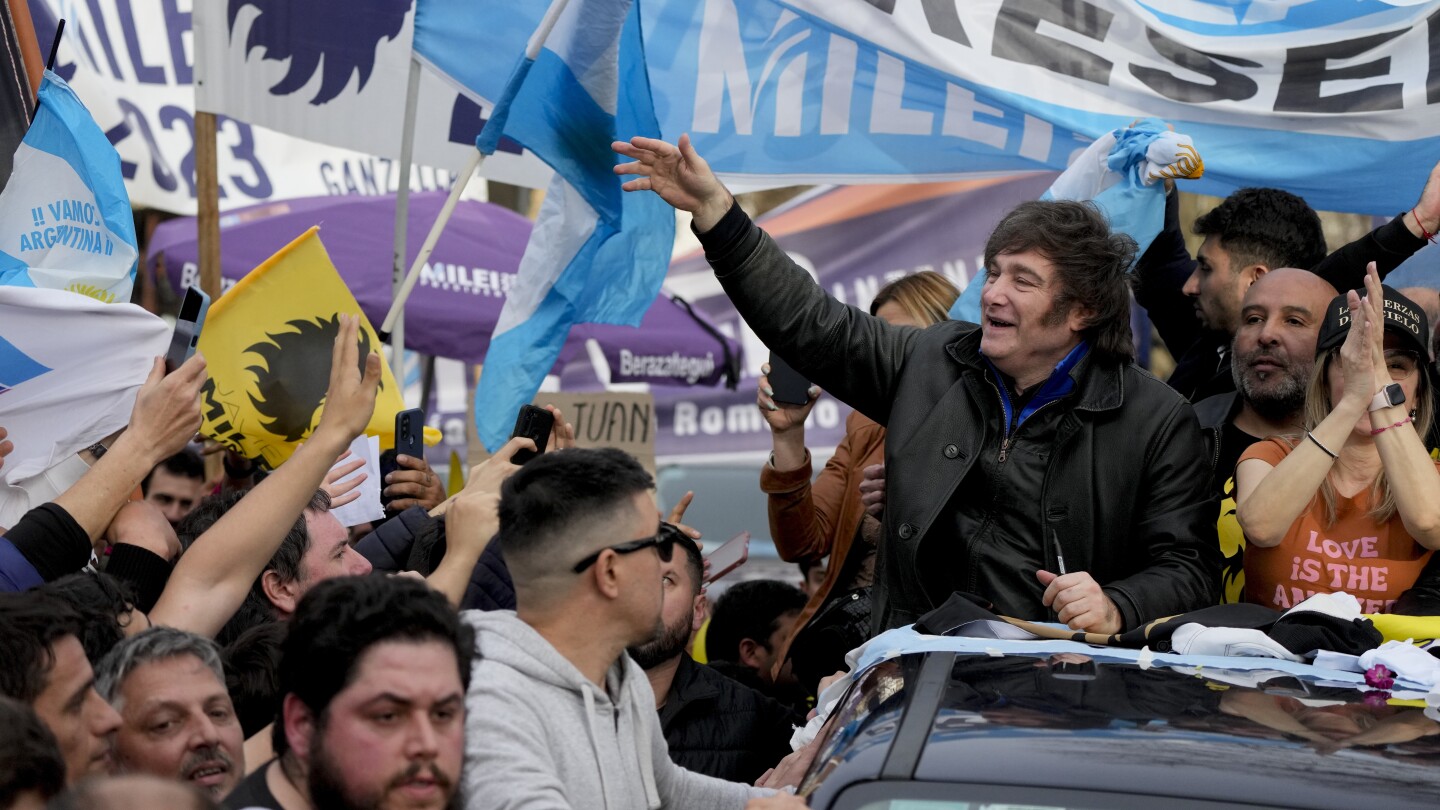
[{"x": 1085, "y": 722}]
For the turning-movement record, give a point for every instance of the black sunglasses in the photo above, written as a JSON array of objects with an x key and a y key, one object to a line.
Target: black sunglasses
[{"x": 663, "y": 541}]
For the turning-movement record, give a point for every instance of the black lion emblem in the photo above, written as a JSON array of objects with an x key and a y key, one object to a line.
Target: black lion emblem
[
  {"x": 296, "y": 373},
  {"x": 342, "y": 33}
]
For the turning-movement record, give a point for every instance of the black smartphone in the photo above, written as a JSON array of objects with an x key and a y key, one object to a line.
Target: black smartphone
[
  {"x": 789, "y": 385},
  {"x": 534, "y": 423},
  {"x": 187, "y": 328},
  {"x": 410, "y": 433}
]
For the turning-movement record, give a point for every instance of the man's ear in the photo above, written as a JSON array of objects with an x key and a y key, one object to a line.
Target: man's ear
[
  {"x": 299, "y": 726},
  {"x": 1253, "y": 273},
  {"x": 750, "y": 653},
  {"x": 282, "y": 595},
  {"x": 698, "y": 611},
  {"x": 606, "y": 574}
]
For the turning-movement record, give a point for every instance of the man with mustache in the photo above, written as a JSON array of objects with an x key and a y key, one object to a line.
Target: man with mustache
[
  {"x": 374, "y": 672},
  {"x": 1273, "y": 352},
  {"x": 177, "y": 720}
]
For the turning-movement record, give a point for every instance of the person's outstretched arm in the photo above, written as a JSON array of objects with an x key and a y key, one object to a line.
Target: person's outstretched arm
[
  {"x": 1388, "y": 245},
  {"x": 472, "y": 521},
  {"x": 855, "y": 356},
  {"x": 213, "y": 576}
]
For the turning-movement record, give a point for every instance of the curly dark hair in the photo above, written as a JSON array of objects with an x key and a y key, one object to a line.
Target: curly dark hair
[
  {"x": 30, "y": 624},
  {"x": 1265, "y": 226},
  {"x": 339, "y": 619},
  {"x": 1092, "y": 264}
]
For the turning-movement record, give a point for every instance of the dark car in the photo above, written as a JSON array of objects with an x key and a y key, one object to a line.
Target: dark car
[{"x": 947, "y": 730}]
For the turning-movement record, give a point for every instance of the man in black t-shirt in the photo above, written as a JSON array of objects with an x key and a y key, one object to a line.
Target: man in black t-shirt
[{"x": 1274, "y": 353}]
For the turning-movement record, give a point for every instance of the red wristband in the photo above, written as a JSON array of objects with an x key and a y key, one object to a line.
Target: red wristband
[
  {"x": 1378, "y": 431},
  {"x": 1424, "y": 234}
]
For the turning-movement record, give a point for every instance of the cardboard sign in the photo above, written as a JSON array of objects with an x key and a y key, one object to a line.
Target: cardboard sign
[{"x": 601, "y": 419}]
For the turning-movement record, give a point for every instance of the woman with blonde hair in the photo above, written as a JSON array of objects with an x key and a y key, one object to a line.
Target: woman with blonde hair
[
  {"x": 810, "y": 521},
  {"x": 1353, "y": 503}
]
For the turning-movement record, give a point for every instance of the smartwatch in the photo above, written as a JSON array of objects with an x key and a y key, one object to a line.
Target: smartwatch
[{"x": 1388, "y": 397}]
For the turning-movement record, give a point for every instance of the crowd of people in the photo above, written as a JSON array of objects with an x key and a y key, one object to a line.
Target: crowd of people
[{"x": 546, "y": 638}]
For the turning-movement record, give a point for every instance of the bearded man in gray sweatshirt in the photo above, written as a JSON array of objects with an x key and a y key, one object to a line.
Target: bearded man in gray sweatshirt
[{"x": 558, "y": 716}]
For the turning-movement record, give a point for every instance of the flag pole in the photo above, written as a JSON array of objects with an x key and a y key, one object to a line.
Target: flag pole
[
  {"x": 428, "y": 247},
  {"x": 402, "y": 221},
  {"x": 532, "y": 49}
]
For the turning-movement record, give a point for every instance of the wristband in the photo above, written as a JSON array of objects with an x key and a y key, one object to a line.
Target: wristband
[
  {"x": 1424, "y": 234},
  {"x": 1378, "y": 431},
  {"x": 1328, "y": 451}
]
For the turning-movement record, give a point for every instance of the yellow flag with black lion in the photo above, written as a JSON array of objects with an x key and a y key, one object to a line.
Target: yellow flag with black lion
[{"x": 267, "y": 344}]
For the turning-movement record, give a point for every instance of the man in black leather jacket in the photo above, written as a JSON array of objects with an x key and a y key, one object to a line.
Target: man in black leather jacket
[{"x": 1028, "y": 459}]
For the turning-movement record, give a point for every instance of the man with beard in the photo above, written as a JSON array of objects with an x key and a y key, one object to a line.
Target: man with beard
[
  {"x": 713, "y": 724},
  {"x": 374, "y": 672},
  {"x": 176, "y": 718},
  {"x": 1274, "y": 351},
  {"x": 558, "y": 715},
  {"x": 1195, "y": 302}
]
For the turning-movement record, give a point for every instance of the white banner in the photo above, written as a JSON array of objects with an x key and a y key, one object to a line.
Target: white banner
[
  {"x": 1335, "y": 100},
  {"x": 340, "y": 79},
  {"x": 132, "y": 63}
]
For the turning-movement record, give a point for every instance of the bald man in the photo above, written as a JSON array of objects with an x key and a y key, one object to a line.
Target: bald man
[{"x": 1274, "y": 353}]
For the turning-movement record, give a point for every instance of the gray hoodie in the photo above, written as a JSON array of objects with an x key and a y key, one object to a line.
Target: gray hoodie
[{"x": 539, "y": 735}]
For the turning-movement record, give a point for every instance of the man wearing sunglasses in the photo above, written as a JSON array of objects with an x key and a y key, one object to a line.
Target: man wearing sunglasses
[{"x": 557, "y": 714}]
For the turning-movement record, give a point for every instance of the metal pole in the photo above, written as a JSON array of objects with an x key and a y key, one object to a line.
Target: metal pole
[
  {"x": 434, "y": 236},
  {"x": 402, "y": 224}
]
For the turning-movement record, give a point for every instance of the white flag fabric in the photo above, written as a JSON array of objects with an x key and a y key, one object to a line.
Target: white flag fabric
[
  {"x": 70, "y": 367},
  {"x": 336, "y": 72}
]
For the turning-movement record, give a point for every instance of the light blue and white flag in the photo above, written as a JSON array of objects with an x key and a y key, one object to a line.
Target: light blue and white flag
[
  {"x": 596, "y": 255},
  {"x": 1122, "y": 172},
  {"x": 1335, "y": 100},
  {"x": 65, "y": 218}
]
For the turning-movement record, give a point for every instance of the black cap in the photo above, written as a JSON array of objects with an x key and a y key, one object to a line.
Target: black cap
[{"x": 1402, "y": 317}]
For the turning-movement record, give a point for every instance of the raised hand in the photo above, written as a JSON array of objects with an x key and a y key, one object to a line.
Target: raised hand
[
  {"x": 1426, "y": 213},
  {"x": 167, "y": 409},
  {"x": 678, "y": 174},
  {"x": 782, "y": 416},
  {"x": 677, "y": 516},
  {"x": 1357, "y": 354},
  {"x": 350, "y": 399},
  {"x": 562, "y": 435},
  {"x": 6, "y": 446},
  {"x": 341, "y": 491}
]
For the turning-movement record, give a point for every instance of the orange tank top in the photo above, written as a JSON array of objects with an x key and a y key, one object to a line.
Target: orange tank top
[{"x": 1373, "y": 562}]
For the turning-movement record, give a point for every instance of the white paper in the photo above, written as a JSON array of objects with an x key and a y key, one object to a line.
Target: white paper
[{"x": 366, "y": 508}]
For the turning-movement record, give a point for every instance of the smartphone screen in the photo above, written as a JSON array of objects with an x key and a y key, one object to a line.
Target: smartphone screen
[{"x": 728, "y": 557}]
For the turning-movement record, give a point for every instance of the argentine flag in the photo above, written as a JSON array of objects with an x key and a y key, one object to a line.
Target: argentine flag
[
  {"x": 65, "y": 219},
  {"x": 596, "y": 255},
  {"x": 1122, "y": 172}
]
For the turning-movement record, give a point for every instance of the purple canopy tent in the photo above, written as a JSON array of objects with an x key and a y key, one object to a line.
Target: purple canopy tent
[{"x": 457, "y": 303}]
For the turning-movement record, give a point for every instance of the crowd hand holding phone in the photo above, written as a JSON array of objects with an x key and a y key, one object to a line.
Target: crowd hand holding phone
[
  {"x": 786, "y": 421},
  {"x": 487, "y": 476},
  {"x": 166, "y": 413},
  {"x": 414, "y": 484}
]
